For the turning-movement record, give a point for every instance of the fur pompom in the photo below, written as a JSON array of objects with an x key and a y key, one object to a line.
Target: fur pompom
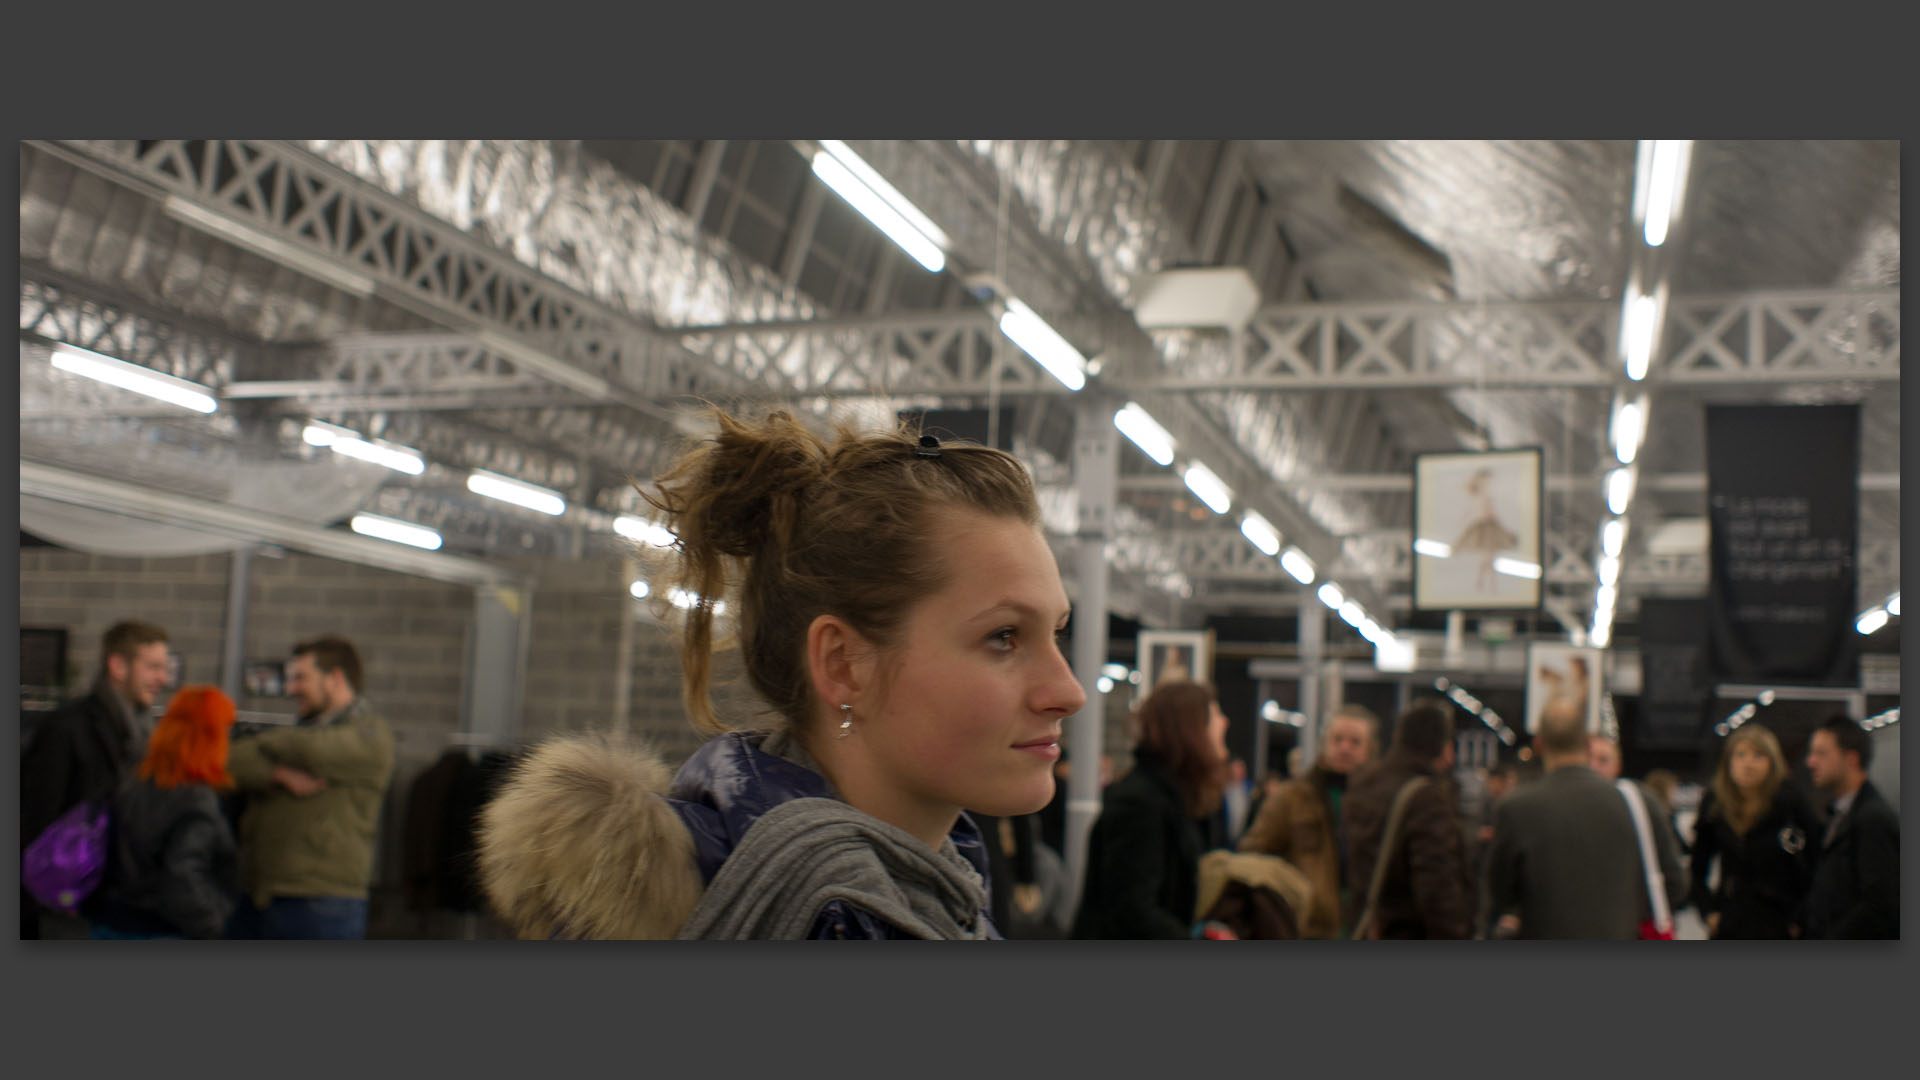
[{"x": 579, "y": 843}]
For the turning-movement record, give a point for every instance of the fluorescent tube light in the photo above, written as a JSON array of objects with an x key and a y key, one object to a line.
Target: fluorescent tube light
[
  {"x": 645, "y": 531},
  {"x": 400, "y": 532},
  {"x": 1331, "y": 595},
  {"x": 1613, "y": 537},
  {"x": 1667, "y": 179},
  {"x": 1433, "y": 549},
  {"x": 687, "y": 600},
  {"x": 1114, "y": 671},
  {"x": 1893, "y": 604},
  {"x": 321, "y": 433},
  {"x": 1642, "y": 313},
  {"x": 1296, "y": 563},
  {"x": 1609, "y": 570},
  {"x": 1600, "y": 637},
  {"x": 1353, "y": 614},
  {"x": 268, "y": 246},
  {"x": 1043, "y": 343},
  {"x": 134, "y": 377},
  {"x": 1104, "y": 684},
  {"x": 1620, "y": 489},
  {"x": 1870, "y": 620},
  {"x": 507, "y": 489},
  {"x": 1516, "y": 568},
  {"x": 1146, "y": 433},
  {"x": 639, "y": 589},
  {"x": 397, "y": 458},
  {"x": 875, "y": 209},
  {"x": 1629, "y": 427},
  {"x": 876, "y": 183},
  {"x": 1259, "y": 532},
  {"x": 1208, "y": 487},
  {"x": 1604, "y": 597}
]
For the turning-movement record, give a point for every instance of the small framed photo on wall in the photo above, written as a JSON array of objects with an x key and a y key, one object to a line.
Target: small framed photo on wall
[
  {"x": 1557, "y": 672},
  {"x": 1478, "y": 531},
  {"x": 1174, "y": 654}
]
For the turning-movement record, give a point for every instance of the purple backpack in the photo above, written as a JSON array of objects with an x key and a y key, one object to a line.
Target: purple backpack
[{"x": 64, "y": 863}]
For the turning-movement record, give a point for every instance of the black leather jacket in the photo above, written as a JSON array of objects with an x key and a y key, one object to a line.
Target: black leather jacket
[{"x": 173, "y": 862}]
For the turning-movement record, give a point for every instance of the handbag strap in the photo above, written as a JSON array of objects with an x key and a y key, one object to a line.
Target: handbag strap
[
  {"x": 1389, "y": 844},
  {"x": 1649, "y": 862}
]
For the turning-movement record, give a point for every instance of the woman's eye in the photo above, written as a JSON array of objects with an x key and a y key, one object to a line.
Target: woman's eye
[{"x": 1001, "y": 638}]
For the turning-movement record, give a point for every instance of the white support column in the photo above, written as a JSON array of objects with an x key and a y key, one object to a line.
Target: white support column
[
  {"x": 497, "y": 662},
  {"x": 1096, "y": 468},
  {"x": 630, "y": 609},
  {"x": 233, "y": 646},
  {"x": 1313, "y": 652}
]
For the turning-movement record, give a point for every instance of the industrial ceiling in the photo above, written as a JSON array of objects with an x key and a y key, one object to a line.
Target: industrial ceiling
[{"x": 554, "y": 312}]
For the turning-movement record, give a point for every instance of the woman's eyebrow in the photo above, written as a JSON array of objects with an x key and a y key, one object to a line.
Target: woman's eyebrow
[{"x": 1019, "y": 608}]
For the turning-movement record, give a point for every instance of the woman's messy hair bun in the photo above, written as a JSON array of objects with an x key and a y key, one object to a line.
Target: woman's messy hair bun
[{"x": 768, "y": 511}]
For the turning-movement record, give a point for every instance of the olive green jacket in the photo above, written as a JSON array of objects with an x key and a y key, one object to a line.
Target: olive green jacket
[{"x": 321, "y": 844}]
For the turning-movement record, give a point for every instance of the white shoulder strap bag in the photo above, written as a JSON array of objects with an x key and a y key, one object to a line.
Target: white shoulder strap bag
[{"x": 1649, "y": 861}]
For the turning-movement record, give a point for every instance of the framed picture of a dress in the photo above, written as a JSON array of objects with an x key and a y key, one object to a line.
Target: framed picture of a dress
[
  {"x": 1164, "y": 655},
  {"x": 1563, "y": 673},
  {"x": 1478, "y": 530}
]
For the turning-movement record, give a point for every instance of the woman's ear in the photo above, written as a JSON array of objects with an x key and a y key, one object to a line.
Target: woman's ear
[{"x": 839, "y": 661}]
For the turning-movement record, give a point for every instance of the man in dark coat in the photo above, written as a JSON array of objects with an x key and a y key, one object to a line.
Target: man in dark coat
[
  {"x": 92, "y": 743},
  {"x": 1426, "y": 892},
  {"x": 1566, "y": 855},
  {"x": 1856, "y": 876}
]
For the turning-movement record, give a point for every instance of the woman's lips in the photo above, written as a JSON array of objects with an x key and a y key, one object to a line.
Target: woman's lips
[{"x": 1048, "y": 747}]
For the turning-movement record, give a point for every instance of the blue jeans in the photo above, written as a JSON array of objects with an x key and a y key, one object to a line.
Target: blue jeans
[
  {"x": 103, "y": 933},
  {"x": 324, "y": 918}
]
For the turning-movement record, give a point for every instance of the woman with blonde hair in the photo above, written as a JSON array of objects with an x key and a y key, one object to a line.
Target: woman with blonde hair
[
  {"x": 1143, "y": 861},
  {"x": 172, "y": 868},
  {"x": 1759, "y": 829},
  {"x": 897, "y": 607}
]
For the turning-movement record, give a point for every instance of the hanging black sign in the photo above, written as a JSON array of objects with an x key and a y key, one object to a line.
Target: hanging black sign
[
  {"x": 1783, "y": 510},
  {"x": 1675, "y": 688}
]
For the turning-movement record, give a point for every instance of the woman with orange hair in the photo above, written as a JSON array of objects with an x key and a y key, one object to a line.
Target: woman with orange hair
[{"x": 173, "y": 851}]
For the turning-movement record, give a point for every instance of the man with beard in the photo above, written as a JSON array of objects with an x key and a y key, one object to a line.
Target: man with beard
[
  {"x": 313, "y": 794},
  {"x": 1856, "y": 876},
  {"x": 1301, "y": 821},
  {"x": 84, "y": 750}
]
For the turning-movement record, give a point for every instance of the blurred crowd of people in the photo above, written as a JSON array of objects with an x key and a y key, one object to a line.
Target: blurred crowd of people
[
  {"x": 270, "y": 835},
  {"x": 898, "y": 610},
  {"x": 1368, "y": 843}
]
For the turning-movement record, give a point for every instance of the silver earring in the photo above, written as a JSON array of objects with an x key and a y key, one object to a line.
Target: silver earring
[{"x": 846, "y": 722}]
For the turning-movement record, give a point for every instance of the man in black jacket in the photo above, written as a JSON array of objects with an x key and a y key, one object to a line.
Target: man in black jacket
[
  {"x": 1856, "y": 876},
  {"x": 85, "y": 749}
]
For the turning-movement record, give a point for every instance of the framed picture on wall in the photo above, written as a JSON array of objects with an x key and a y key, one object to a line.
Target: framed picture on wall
[
  {"x": 1557, "y": 672},
  {"x": 1478, "y": 531},
  {"x": 1174, "y": 654},
  {"x": 266, "y": 678}
]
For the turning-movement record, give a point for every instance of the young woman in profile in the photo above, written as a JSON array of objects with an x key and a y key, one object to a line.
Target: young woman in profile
[
  {"x": 1760, "y": 830},
  {"x": 172, "y": 870},
  {"x": 1143, "y": 861},
  {"x": 897, "y": 606}
]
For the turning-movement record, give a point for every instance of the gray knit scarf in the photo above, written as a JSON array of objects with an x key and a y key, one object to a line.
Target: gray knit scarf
[{"x": 806, "y": 853}]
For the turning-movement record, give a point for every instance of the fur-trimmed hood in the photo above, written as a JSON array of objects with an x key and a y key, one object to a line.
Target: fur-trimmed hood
[
  {"x": 589, "y": 838},
  {"x": 579, "y": 843}
]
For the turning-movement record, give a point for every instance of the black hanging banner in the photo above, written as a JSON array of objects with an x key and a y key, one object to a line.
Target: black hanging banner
[
  {"x": 1783, "y": 511},
  {"x": 1675, "y": 688}
]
